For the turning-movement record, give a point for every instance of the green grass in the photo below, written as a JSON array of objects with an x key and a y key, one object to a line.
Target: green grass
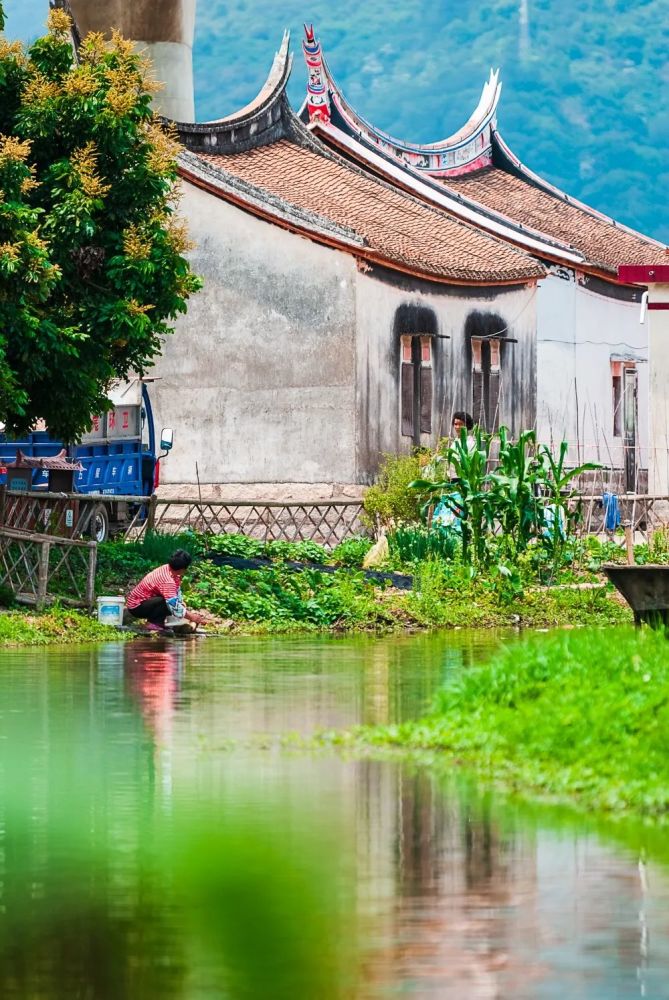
[
  {"x": 579, "y": 717},
  {"x": 24, "y": 628}
]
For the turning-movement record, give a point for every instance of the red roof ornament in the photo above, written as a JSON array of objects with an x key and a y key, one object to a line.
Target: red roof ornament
[{"x": 318, "y": 98}]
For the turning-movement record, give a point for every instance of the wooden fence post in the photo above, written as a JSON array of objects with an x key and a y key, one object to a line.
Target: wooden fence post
[
  {"x": 90, "y": 578},
  {"x": 629, "y": 543},
  {"x": 43, "y": 575},
  {"x": 151, "y": 515}
]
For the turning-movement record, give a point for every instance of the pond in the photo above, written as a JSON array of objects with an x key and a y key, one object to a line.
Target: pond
[{"x": 163, "y": 834}]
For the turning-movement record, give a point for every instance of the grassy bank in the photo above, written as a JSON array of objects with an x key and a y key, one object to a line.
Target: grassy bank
[
  {"x": 26, "y": 628},
  {"x": 579, "y": 717},
  {"x": 276, "y": 599}
]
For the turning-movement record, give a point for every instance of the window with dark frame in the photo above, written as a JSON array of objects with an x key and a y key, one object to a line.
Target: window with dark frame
[
  {"x": 486, "y": 382},
  {"x": 485, "y": 334},
  {"x": 617, "y": 386},
  {"x": 416, "y": 385}
]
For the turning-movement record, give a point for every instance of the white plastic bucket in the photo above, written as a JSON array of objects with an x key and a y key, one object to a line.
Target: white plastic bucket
[{"x": 110, "y": 610}]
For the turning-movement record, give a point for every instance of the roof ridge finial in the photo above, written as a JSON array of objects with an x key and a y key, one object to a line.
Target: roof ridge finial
[{"x": 318, "y": 97}]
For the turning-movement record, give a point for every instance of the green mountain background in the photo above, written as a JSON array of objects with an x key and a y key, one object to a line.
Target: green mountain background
[{"x": 585, "y": 98}]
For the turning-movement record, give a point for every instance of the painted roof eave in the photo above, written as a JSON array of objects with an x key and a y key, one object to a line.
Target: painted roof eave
[
  {"x": 257, "y": 122},
  {"x": 259, "y": 202},
  {"x": 276, "y": 81},
  {"x": 483, "y": 115}
]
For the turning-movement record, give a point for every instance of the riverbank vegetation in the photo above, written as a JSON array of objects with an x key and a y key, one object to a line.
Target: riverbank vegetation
[
  {"x": 23, "y": 628},
  {"x": 479, "y": 533},
  {"x": 259, "y": 588},
  {"x": 579, "y": 717}
]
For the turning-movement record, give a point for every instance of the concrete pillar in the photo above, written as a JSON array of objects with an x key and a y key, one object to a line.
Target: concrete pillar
[{"x": 165, "y": 29}]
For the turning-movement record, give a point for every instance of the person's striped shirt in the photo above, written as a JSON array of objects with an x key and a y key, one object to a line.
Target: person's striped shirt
[{"x": 160, "y": 582}]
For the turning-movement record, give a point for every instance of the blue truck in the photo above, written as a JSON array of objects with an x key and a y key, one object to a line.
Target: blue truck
[{"x": 119, "y": 456}]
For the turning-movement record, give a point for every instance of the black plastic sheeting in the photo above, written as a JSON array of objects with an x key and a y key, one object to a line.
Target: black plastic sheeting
[{"x": 398, "y": 580}]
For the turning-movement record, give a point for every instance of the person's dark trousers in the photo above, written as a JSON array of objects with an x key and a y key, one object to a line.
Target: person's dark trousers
[{"x": 155, "y": 610}]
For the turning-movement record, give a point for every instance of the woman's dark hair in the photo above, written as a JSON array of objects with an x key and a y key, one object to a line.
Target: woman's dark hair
[
  {"x": 466, "y": 418},
  {"x": 180, "y": 560}
]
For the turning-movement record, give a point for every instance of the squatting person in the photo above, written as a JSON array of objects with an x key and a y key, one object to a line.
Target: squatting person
[{"x": 157, "y": 597}]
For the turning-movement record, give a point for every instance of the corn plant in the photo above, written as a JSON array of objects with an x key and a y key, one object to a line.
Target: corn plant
[
  {"x": 513, "y": 489},
  {"x": 557, "y": 488},
  {"x": 524, "y": 498}
]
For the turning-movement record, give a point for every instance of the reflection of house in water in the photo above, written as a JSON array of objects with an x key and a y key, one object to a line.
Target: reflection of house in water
[{"x": 450, "y": 876}]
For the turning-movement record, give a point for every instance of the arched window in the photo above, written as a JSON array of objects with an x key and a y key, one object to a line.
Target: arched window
[
  {"x": 416, "y": 330},
  {"x": 485, "y": 333}
]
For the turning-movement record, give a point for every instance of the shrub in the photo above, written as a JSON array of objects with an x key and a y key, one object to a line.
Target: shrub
[{"x": 390, "y": 501}]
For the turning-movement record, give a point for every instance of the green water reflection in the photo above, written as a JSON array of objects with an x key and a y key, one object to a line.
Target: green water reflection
[{"x": 156, "y": 841}]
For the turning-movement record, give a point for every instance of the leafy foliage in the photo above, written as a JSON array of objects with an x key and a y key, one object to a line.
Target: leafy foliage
[
  {"x": 577, "y": 715},
  {"x": 500, "y": 504},
  {"x": 276, "y": 598},
  {"x": 390, "y": 501},
  {"x": 415, "y": 543},
  {"x": 92, "y": 270},
  {"x": 351, "y": 552}
]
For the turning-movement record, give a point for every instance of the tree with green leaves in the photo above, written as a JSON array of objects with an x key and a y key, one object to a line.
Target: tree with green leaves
[{"x": 92, "y": 265}]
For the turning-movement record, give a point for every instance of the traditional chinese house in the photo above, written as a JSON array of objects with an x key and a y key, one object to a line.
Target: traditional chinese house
[
  {"x": 592, "y": 372},
  {"x": 359, "y": 289},
  {"x": 341, "y": 317}
]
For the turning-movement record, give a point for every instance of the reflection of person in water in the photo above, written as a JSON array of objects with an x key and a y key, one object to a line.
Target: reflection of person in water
[
  {"x": 157, "y": 597},
  {"x": 152, "y": 679}
]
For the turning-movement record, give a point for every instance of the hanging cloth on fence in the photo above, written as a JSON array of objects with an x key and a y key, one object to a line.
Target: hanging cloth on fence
[{"x": 611, "y": 511}]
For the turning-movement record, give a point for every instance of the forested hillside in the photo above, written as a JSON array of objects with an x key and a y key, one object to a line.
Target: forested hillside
[{"x": 586, "y": 85}]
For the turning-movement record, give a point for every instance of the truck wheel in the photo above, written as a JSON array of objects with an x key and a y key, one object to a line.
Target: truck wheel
[{"x": 99, "y": 526}]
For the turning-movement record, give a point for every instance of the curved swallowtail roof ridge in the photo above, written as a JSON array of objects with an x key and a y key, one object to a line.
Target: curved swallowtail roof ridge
[
  {"x": 470, "y": 148},
  {"x": 474, "y": 175},
  {"x": 263, "y": 120}
]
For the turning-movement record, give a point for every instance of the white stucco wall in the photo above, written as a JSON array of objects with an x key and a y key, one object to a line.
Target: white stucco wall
[
  {"x": 258, "y": 379},
  {"x": 579, "y": 333}
]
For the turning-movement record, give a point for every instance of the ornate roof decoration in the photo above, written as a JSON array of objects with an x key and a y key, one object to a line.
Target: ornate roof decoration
[
  {"x": 490, "y": 189},
  {"x": 318, "y": 101},
  {"x": 470, "y": 148},
  {"x": 261, "y": 121},
  {"x": 264, "y": 160}
]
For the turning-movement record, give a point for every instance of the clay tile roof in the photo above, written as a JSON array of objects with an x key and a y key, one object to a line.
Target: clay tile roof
[
  {"x": 396, "y": 228},
  {"x": 604, "y": 244}
]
